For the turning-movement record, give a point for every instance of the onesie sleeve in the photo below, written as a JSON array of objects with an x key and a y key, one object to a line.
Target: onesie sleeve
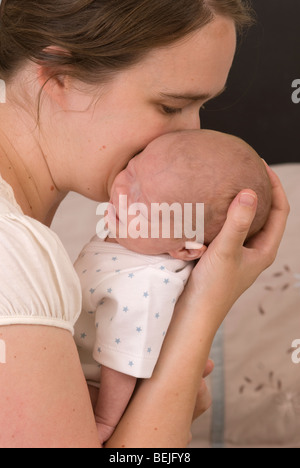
[
  {"x": 38, "y": 283},
  {"x": 133, "y": 312}
]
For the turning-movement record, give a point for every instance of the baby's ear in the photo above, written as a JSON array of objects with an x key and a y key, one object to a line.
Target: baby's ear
[{"x": 191, "y": 251}]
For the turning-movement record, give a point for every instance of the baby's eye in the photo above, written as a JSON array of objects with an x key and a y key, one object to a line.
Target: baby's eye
[{"x": 171, "y": 110}]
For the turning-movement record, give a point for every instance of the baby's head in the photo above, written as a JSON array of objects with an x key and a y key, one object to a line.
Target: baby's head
[{"x": 200, "y": 166}]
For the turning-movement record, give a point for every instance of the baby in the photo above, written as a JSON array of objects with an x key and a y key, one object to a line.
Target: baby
[{"x": 131, "y": 285}]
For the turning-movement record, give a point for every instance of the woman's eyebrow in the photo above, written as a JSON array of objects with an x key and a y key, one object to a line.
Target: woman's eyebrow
[{"x": 192, "y": 96}]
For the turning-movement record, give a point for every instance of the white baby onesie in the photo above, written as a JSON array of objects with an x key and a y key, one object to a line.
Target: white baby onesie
[{"x": 128, "y": 302}]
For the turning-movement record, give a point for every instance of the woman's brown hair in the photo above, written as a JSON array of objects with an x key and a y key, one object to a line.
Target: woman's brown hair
[{"x": 93, "y": 39}]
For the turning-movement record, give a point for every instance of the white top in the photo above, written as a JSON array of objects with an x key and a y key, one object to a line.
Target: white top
[
  {"x": 38, "y": 284},
  {"x": 128, "y": 302}
]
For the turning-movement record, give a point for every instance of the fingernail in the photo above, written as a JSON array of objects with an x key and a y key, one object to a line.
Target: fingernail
[
  {"x": 193, "y": 246},
  {"x": 247, "y": 199}
]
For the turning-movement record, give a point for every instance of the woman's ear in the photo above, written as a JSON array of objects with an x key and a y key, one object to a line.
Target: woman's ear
[
  {"x": 188, "y": 254},
  {"x": 56, "y": 86}
]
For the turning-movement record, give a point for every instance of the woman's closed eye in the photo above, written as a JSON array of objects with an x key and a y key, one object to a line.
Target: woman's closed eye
[
  {"x": 171, "y": 110},
  {"x": 168, "y": 110}
]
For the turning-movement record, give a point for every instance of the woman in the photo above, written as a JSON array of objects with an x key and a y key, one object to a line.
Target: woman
[{"x": 88, "y": 85}]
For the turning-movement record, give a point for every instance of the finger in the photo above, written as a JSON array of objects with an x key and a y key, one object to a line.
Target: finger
[
  {"x": 209, "y": 368},
  {"x": 239, "y": 219},
  {"x": 270, "y": 237},
  {"x": 203, "y": 402},
  {"x": 280, "y": 201}
]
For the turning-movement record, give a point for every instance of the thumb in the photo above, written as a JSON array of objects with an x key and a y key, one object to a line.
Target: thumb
[
  {"x": 209, "y": 368},
  {"x": 239, "y": 219}
]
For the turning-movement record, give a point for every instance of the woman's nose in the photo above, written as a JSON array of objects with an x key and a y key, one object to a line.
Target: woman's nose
[{"x": 189, "y": 122}]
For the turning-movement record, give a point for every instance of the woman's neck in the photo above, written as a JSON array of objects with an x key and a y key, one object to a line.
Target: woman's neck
[{"x": 23, "y": 165}]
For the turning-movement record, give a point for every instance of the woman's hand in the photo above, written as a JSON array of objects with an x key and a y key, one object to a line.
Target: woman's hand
[
  {"x": 228, "y": 267},
  {"x": 204, "y": 400}
]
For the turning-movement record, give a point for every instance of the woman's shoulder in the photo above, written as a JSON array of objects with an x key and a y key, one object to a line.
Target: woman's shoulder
[{"x": 38, "y": 283}]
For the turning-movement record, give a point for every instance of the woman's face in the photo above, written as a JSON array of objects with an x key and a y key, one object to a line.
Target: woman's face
[{"x": 163, "y": 93}]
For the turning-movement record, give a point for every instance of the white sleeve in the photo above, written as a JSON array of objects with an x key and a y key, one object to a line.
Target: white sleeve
[
  {"x": 38, "y": 283},
  {"x": 133, "y": 312}
]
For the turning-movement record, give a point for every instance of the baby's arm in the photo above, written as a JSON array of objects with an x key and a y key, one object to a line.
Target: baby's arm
[{"x": 115, "y": 392}]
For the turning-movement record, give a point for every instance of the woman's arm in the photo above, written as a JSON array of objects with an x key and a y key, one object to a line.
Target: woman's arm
[
  {"x": 44, "y": 401},
  {"x": 163, "y": 406}
]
